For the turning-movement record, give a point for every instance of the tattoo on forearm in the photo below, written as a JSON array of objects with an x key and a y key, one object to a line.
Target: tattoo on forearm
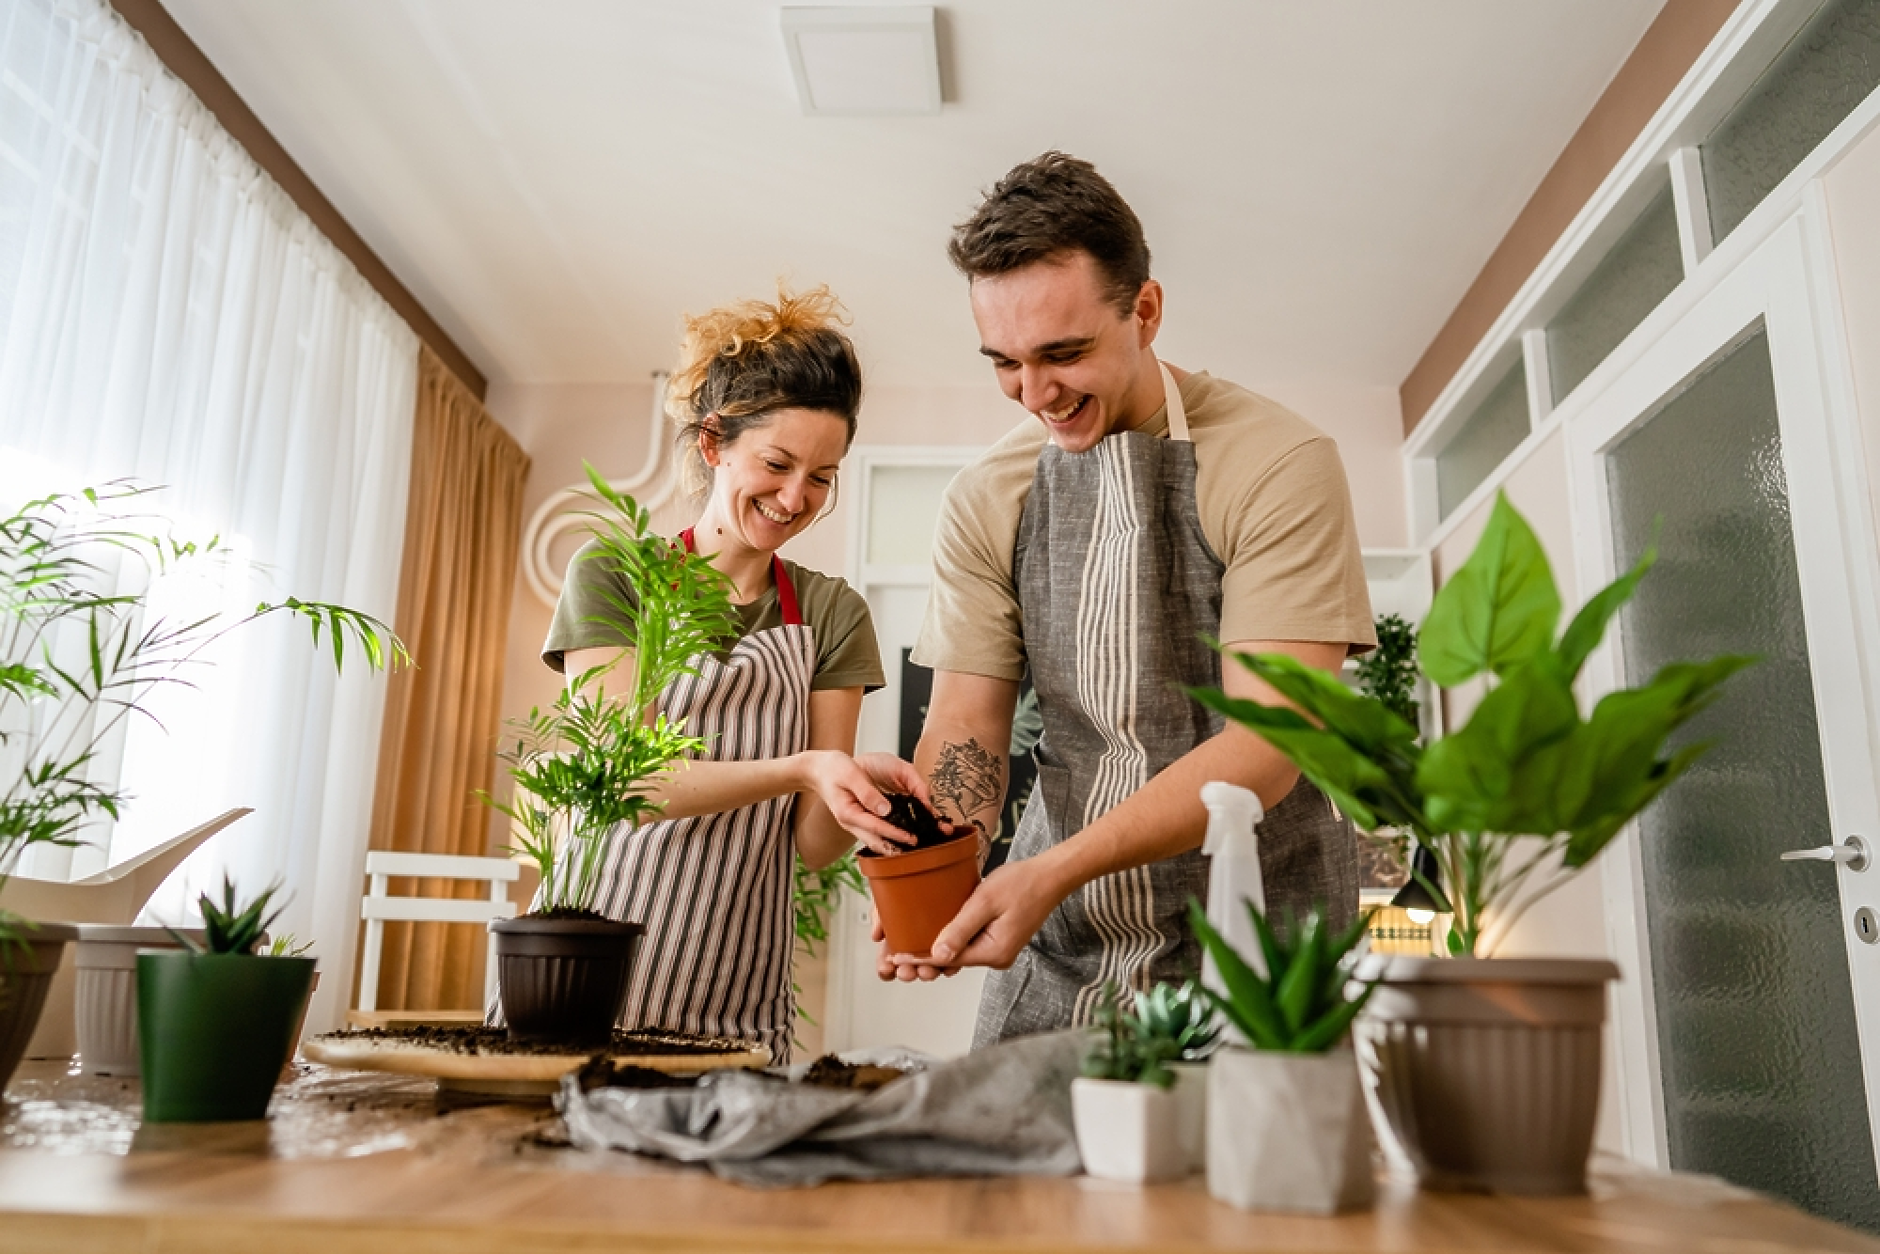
[{"x": 967, "y": 779}]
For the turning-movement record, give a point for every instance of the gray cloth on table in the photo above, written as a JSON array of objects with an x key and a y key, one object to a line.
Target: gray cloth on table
[{"x": 1000, "y": 1111}]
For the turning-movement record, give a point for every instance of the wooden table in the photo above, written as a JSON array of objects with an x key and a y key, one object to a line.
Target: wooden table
[{"x": 369, "y": 1164}]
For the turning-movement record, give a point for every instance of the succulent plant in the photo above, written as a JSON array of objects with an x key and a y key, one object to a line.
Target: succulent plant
[
  {"x": 1300, "y": 1005},
  {"x": 1167, "y": 1023},
  {"x": 232, "y": 927}
]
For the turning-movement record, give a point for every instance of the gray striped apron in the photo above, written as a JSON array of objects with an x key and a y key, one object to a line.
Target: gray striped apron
[
  {"x": 714, "y": 890},
  {"x": 1117, "y": 586}
]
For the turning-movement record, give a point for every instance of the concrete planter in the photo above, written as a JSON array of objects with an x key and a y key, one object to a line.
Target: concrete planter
[
  {"x": 1128, "y": 1131},
  {"x": 105, "y": 994},
  {"x": 1288, "y": 1132},
  {"x": 1487, "y": 1070}
]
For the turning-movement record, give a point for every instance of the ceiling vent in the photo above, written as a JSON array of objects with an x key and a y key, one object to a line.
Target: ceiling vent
[{"x": 869, "y": 61}]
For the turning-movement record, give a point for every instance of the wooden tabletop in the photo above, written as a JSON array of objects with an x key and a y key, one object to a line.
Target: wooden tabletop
[{"x": 371, "y": 1165}]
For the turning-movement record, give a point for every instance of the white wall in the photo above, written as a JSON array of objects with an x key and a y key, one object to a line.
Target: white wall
[{"x": 1853, "y": 194}]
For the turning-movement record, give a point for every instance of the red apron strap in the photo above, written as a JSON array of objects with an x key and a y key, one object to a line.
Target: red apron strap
[{"x": 786, "y": 591}]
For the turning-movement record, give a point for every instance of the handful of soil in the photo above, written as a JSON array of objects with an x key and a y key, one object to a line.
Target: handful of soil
[
  {"x": 912, "y": 816},
  {"x": 831, "y": 1072}
]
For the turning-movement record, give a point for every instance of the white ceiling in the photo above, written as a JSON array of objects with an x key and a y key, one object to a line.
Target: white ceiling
[{"x": 557, "y": 180}]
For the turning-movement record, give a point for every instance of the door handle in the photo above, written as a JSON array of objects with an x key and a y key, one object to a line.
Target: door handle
[{"x": 1851, "y": 853}]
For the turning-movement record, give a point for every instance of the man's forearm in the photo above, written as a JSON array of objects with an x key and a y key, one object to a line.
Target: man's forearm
[
  {"x": 965, "y": 777},
  {"x": 1165, "y": 817}
]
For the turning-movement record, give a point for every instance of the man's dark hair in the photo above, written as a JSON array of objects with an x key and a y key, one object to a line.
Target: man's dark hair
[{"x": 1046, "y": 208}]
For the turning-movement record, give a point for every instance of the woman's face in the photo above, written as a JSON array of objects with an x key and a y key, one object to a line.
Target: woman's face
[{"x": 771, "y": 482}]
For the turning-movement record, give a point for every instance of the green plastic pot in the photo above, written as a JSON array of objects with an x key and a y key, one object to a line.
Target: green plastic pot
[{"x": 214, "y": 1031}]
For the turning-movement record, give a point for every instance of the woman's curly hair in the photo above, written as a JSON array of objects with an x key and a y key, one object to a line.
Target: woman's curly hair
[{"x": 743, "y": 362}]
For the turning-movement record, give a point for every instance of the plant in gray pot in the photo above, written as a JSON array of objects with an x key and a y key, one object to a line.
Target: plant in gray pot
[
  {"x": 216, "y": 1020},
  {"x": 1487, "y": 1069},
  {"x": 1287, "y": 1126},
  {"x": 81, "y": 651},
  {"x": 1138, "y": 1104},
  {"x": 583, "y": 768}
]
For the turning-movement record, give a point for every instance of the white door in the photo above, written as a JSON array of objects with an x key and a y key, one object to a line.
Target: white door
[
  {"x": 1747, "y": 1016},
  {"x": 892, "y": 543}
]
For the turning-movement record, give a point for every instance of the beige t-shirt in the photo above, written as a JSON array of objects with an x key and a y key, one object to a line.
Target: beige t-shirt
[
  {"x": 847, "y": 655},
  {"x": 1274, "y": 507}
]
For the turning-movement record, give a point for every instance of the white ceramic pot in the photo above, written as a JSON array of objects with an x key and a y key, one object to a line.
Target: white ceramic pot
[
  {"x": 105, "y": 996},
  {"x": 1128, "y": 1131},
  {"x": 1191, "y": 1111},
  {"x": 1487, "y": 1070},
  {"x": 1288, "y": 1132}
]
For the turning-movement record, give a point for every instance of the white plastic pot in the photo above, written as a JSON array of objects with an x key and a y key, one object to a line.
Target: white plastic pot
[
  {"x": 1288, "y": 1132},
  {"x": 105, "y": 996},
  {"x": 1128, "y": 1131}
]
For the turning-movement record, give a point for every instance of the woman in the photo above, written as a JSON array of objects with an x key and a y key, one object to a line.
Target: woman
[{"x": 766, "y": 399}]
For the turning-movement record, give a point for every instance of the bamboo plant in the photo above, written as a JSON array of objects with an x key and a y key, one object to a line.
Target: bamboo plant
[
  {"x": 1529, "y": 791},
  {"x": 81, "y": 652},
  {"x": 588, "y": 763}
]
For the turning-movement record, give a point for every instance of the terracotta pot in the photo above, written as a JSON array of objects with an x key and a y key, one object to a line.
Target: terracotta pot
[
  {"x": 1288, "y": 1132},
  {"x": 917, "y": 894},
  {"x": 1486, "y": 1070},
  {"x": 26, "y": 969},
  {"x": 105, "y": 993},
  {"x": 563, "y": 980}
]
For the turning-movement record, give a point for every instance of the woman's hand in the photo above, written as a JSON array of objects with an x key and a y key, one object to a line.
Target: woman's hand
[{"x": 852, "y": 788}]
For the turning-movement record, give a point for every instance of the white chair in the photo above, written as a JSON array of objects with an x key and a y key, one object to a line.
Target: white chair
[{"x": 379, "y": 906}]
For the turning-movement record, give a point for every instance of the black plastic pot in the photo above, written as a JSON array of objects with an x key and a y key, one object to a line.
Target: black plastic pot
[
  {"x": 563, "y": 980},
  {"x": 214, "y": 1031},
  {"x": 26, "y": 968}
]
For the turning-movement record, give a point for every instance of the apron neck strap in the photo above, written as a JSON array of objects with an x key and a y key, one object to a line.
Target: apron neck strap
[
  {"x": 786, "y": 590},
  {"x": 1177, "y": 414}
]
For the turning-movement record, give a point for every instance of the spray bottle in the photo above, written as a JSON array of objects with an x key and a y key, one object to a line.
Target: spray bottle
[{"x": 1233, "y": 876}]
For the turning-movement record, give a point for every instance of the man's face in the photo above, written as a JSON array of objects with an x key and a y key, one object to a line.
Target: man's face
[{"x": 1063, "y": 351}]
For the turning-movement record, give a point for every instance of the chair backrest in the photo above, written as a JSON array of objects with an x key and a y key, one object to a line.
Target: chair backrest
[{"x": 379, "y": 906}]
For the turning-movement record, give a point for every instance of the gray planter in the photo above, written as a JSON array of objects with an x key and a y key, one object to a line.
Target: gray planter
[
  {"x": 1128, "y": 1131},
  {"x": 106, "y": 993},
  {"x": 1487, "y": 1070},
  {"x": 27, "y": 964},
  {"x": 1288, "y": 1132}
]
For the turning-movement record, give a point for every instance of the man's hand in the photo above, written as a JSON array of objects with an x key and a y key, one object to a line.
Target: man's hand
[{"x": 997, "y": 921}]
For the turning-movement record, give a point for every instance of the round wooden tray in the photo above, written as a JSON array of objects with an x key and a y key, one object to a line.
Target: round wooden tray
[{"x": 518, "y": 1074}]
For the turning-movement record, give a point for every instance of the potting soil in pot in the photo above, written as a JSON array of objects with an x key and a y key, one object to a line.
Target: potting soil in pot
[{"x": 908, "y": 813}]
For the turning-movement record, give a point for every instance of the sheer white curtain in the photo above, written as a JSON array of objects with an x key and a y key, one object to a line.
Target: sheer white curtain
[{"x": 167, "y": 314}]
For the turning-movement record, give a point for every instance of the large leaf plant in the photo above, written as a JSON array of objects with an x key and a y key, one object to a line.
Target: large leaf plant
[
  {"x": 82, "y": 650},
  {"x": 589, "y": 762},
  {"x": 1528, "y": 791}
]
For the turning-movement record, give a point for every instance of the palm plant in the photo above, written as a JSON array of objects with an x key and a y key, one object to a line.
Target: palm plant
[
  {"x": 79, "y": 655},
  {"x": 587, "y": 763}
]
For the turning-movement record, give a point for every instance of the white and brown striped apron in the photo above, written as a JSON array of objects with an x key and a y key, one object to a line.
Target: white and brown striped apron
[
  {"x": 714, "y": 890},
  {"x": 1118, "y": 588}
]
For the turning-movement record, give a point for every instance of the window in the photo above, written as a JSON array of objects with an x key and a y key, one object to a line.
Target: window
[
  {"x": 1498, "y": 424},
  {"x": 1639, "y": 271},
  {"x": 1831, "y": 65}
]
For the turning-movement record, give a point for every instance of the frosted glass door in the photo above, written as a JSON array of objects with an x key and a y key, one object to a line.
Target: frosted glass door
[{"x": 1758, "y": 1041}]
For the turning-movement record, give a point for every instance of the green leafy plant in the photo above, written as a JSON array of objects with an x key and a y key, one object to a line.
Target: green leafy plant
[
  {"x": 1301, "y": 1005},
  {"x": 587, "y": 763},
  {"x": 82, "y": 650},
  {"x": 1529, "y": 791},
  {"x": 817, "y": 895},
  {"x": 1167, "y": 1023},
  {"x": 287, "y": 945},
  {"x": 234, "y": 927},
  {"x": 1388, "y": 673}
]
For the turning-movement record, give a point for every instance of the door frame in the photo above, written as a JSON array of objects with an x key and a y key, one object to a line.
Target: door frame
[{"x": 1786, "y": 285}]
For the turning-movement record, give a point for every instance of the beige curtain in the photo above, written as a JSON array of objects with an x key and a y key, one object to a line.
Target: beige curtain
[{"x": 441, "y": 719}]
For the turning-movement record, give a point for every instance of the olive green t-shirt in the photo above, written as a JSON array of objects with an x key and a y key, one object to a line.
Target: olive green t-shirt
[
  {"x": 847, "y": 655},
  {"x": 1272, "y": 501}
]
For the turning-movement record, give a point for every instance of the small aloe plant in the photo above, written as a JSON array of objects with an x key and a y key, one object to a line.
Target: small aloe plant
[
  {"x": 231, "y": 927},
  {"x": 1167, "y": 1023},
  {"x": 1300, "y": 1005}
]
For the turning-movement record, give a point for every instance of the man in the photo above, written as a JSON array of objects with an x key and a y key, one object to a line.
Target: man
[{"x": 1145, "y": 511}]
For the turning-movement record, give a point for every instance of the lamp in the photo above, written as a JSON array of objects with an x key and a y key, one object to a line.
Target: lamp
[{"x": 1414, "y": 899}]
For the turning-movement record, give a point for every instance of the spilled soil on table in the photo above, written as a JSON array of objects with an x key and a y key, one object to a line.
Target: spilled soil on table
[{"x": 480, "y": 1040}]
